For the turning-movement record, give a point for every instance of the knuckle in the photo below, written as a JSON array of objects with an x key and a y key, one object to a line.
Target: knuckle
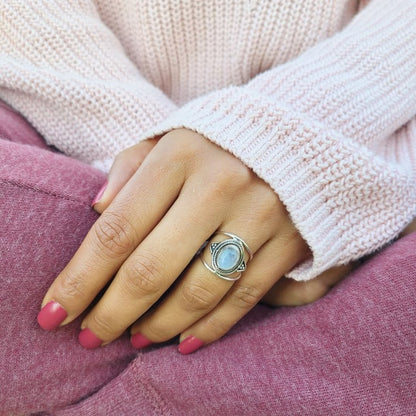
[
  {"x": 312, "y": 293},
  {"x": 197, "y": 297},
  {"x": 158, "y": 334},
  {"x": 114, "y": 234},
  {"x": 304, "y": 293},
  {"x": 268, "y": 209},
  {"x": 185, "y": 141},
  {"x": 141, "y": 277},
  {"x": 246, "y": 297},
  {"x": 72, "y": 286},
  {"x": 216, "y": 327},
  {"x": 289, "y": 236},
  {"x": 261, "y": 214},
  {"x": 104, "y": 324},
  {"x": 234, "y": 178}
]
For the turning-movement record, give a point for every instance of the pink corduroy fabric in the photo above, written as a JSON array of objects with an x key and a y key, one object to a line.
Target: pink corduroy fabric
[{"x": 351, "y": 353}]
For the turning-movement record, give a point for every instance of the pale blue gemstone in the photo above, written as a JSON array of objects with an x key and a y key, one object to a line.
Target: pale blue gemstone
[{"x": 228, "y": 257}]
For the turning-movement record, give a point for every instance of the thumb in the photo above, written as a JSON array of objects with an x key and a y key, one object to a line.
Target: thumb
[{"x": 124, "y": 167}]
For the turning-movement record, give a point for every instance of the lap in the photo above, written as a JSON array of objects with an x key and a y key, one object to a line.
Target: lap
[
  {"x": 45, "y": 212},
  {"x": 352, "y": 352}
]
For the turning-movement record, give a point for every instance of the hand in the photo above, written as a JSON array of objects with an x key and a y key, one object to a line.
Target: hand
[
  {"x": 285, "y": 292},
  {"x": 185, "y": 190}
]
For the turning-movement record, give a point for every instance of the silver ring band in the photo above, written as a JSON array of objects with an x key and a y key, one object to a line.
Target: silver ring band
[{"x": 228, "y": 257}]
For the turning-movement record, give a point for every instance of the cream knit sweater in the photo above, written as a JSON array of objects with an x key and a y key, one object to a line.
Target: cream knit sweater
[{"x": 319, "y": 103}]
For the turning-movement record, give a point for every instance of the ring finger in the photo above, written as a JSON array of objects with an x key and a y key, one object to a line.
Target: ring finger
[
  {"x": 265, "y": 269},
  {"x": 200, "y": 290}
]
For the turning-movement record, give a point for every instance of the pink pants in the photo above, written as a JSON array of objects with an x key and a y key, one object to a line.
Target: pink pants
[{"x": 351, "y": 353}]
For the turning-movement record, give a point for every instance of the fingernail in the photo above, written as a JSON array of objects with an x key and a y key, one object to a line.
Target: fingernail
[
  {"x": 51, "y": 315},
  {"x": 189, "y": 345},
  {"x": 88, "y": 339},
  {"x": 140, "y": 341},
  {"x": 99, "y": 194}
]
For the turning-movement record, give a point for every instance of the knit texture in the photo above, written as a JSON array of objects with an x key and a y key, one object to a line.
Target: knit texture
[
  {"x": 350, "y": 353},
  {"x": 320, "y": 106}
]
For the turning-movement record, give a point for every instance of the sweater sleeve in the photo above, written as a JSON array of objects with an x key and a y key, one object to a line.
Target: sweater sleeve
[
  {"x": 67, "y": 73},
  {"x": 321, "y": 131}
]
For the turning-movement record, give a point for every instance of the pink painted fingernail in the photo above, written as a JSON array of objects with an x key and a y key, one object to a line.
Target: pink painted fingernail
[
  {"x": 140, "y": 341},
  {"x": 99, "y": 194},
  {"x": 189, "y": 345},
  {"x": 88, "y": 339},
  {"x": 51, "y": 315}
]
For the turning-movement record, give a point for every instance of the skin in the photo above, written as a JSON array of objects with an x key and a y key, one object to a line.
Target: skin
[{"x": 166, "y": 197}]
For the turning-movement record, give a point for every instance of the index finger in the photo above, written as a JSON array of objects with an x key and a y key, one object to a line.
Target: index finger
[{"x": 130, "y": 217}]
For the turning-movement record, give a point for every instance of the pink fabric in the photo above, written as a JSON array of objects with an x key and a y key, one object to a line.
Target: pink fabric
[
  {"x": 12, "y": 125},
  {"x": 45, "y": 211},
  {"x": 306, "y": 93},
  {"x": 353, "y": 352}
]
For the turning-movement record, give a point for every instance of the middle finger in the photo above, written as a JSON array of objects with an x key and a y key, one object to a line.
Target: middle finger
[{"x": 152, "y": 268}]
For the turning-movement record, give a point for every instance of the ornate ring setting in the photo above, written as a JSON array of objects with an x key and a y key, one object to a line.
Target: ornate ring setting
[{"x": 228, "y": 257}]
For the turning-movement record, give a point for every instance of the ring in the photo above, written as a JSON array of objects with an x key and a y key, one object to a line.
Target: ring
[{"x": 228, "y": 257}]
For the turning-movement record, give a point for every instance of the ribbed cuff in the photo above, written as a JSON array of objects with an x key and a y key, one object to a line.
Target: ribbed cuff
[{"x": 324, "y": 180}]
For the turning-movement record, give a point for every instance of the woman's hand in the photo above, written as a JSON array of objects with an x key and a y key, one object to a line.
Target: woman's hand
[
  {"x": 160, "y": 205},
  {"x": 157, "y": 216},
  {"x": 285, "y": 292},
  {"x": 163, "y": 200}
]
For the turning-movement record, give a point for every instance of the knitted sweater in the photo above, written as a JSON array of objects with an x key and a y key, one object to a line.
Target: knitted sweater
[{"x": 319, "y": 103}]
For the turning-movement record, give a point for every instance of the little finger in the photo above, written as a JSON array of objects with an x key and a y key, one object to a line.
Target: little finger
[{"x": 289, "y": 292}]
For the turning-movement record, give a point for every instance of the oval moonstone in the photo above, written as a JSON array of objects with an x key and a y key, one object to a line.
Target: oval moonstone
[{"x": 228, "y": 257}]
